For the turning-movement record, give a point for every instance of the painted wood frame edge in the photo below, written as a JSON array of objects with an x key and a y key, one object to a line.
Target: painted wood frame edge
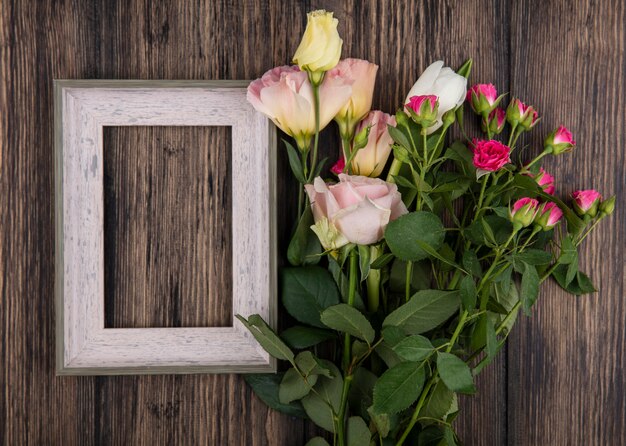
[{"x": 83, "y": 346}]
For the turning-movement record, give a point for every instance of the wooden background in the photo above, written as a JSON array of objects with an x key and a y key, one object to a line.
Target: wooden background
[{"x": 561, "y": 380}]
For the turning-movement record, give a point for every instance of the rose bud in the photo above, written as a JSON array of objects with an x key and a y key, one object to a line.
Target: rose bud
[
  {"x": 495, "y": 121},
  {"x": 489, "y": 156},
  {"x": 362, "y": 75},
  {"x": 320, "y": 48},
  {"x": 518, "y": 113},
  {"x": 423, "y": 109},
  {"x": 357, "y": 208},
  {"x": 371, "y": 159},
  {"x": 607, "y": 206},
  {"x": 483, "y": 98},
  {"x": 586, "y": 202},
  {"x": 523, "y": 212},
  {"x": 546, "y": 181},
  {"x": 449, "y": 87},
  {"x": 559, "y": 141},
  {"x": 339, "y": 166},
  {"x": 284, "y": 94},
  {"x": 548, "y": 216}
]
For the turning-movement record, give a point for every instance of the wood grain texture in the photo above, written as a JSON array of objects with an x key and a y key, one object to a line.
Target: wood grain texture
[
  {"x": 568, "y": 360},
  {"x": 567, "y": 381},
  {"x": 167, "y": 214}
]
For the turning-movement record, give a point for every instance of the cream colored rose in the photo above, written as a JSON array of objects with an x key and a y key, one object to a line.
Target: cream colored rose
[
  {"x": 449, "y": 87},
  {"x": 371, "y": 159},
  {"x": 320, "y": 48},
  {"x": 355, "y": 210}
]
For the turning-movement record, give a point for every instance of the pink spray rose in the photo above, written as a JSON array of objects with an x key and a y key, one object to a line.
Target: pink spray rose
[
  {"x": 560, "y": 141},
  {"x": 523, "y": 212},
  {"x": 355, "y": 210},
  {"x": 495, "y": 121},
  {"x": 482, "y": 98},
  {"x": 371, "y": 159},
  {"x": 490, "y": 156},
  {"x": 518, "y": 113},
  {"x": 285, "y": 95},
  {"x": 548, "y": 216},
  {"x": 546, "y": 181},
  {"x": 423, "y": 109},
  {"x": 586, "y": 202},
  {"x": 338, "y": 166},
  {"x": 362, "y": 75}
]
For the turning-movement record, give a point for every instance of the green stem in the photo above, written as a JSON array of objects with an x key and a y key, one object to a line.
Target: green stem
[
  {"x": 511, "y": 136},
  {"x": 408, "y": 280},
  {"x": 316, "y": 100},
  {"x": 541, "y": 155},
  {"x": 418, "y": 408},
  {"x": 457, "y": 331},
  {"x": 394, "y": 170},
  {"x": 340, "y": 419},
  {"x": 481, "y": 197},
  {"x": 347, "y": 155},
  {"x": 584, "y": 236},
  {"x": 373, "y": 281}
]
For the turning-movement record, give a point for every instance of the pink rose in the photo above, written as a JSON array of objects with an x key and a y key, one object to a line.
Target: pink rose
[
  {"x": 546, "y": 181},
  {"x": 560, "y": 141},
  {"x": 423, "y": 109},
  {"x": 518, "y": 113},
  {"x": 495, "y": 121},
  {"x": 285, "y": 95},
  {"x": 355, "y": 210},
  {"x": 548, "y": 216},
  {"x": 524, "y": 212},
  {"x": 490, "y": 156},
  {"x": 586, "y": 202},
  {"x": 362, "y": 75},
  {"x": 371, "y": 159},
  {"x": 338, "y": 166},
  {"x": 482, "y": 98}
]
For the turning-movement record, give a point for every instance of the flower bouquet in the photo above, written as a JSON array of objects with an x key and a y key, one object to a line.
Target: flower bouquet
[{"x": 404, "y": 288}]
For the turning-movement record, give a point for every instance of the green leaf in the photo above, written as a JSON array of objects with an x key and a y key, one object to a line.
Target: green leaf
[
  {"x": 533, "y": 257},
  {"x": 468, "y": 292},
  {"x": 317, "y": 441},
  {"x": 304, "y": 247},
  {"x": 310, "y": 365},
  {"x": 401, "y": 181},
  {"x": 358, "y": 432},
  {"x": 455, "y": 373},
  {"x": 294, "y": 386},
  {"x": 581, "y": 284},
  {"x": 433, "y": 253},
  {"x": 424, "y": 311},
  {"x": 300, "y": 337},
  {"x": 413, "y": 348},
  {"x": 471, "y": 263},
  {"x": 343, "y": 283},
  {"x": 439, "y": 403},
  {"x": 568, "y": 251},
  {"x": 465, "y": 69},
  {"x": 393, "y": 335},
  {"x": 294, "y": 162},
  {"x": 266, "y": 387},
  {"x": 530, "y": 287},
  {"x": 307, "y": 291},
  {"x": 382, "y": 421},
  {"x": 265, "y": 336},
  {"x": 491, "y": 338},
  {"x": 343, "y": 317},
  {"x": 360, "y": 396},
  {"x": 382, "y": 261},
  {"x": 398, "y": 387},
  {"x": 364, "y": 261},
  {"x": 572, "y": 270},
  {"x": 403, "y": 233},
  {"x": 399, "y": 137},
  {"x": 319, "y": 405}
]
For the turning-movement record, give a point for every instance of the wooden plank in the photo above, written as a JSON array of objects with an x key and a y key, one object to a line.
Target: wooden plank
[{"x": 567, "y": 362}]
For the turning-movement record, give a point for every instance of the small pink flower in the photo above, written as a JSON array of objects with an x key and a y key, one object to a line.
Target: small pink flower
[
  {"x": 417, "y": 102},
  {"x": 560, "y": 141},
  {"x": 483, "y": 98},
  {"x": 371, "y": 159},
  {"x": 586, "y": 201},
  {"x": 339, "y": 166},
  {"x": 548, "y": 216},
  {"x": 496, "y": 121},
  {"x": 524, "y": 211},
  {"x": 491, "y": 155},
  {"x": 546, "y": 181},
  {"x": 521, "y": 114}
]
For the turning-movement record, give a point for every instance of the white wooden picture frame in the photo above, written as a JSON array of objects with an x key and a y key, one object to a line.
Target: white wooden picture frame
[{"x": 84, "y": 345}]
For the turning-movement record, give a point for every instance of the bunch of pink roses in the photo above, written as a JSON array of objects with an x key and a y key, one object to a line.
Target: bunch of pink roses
[{"x": 403, "y": 289}]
